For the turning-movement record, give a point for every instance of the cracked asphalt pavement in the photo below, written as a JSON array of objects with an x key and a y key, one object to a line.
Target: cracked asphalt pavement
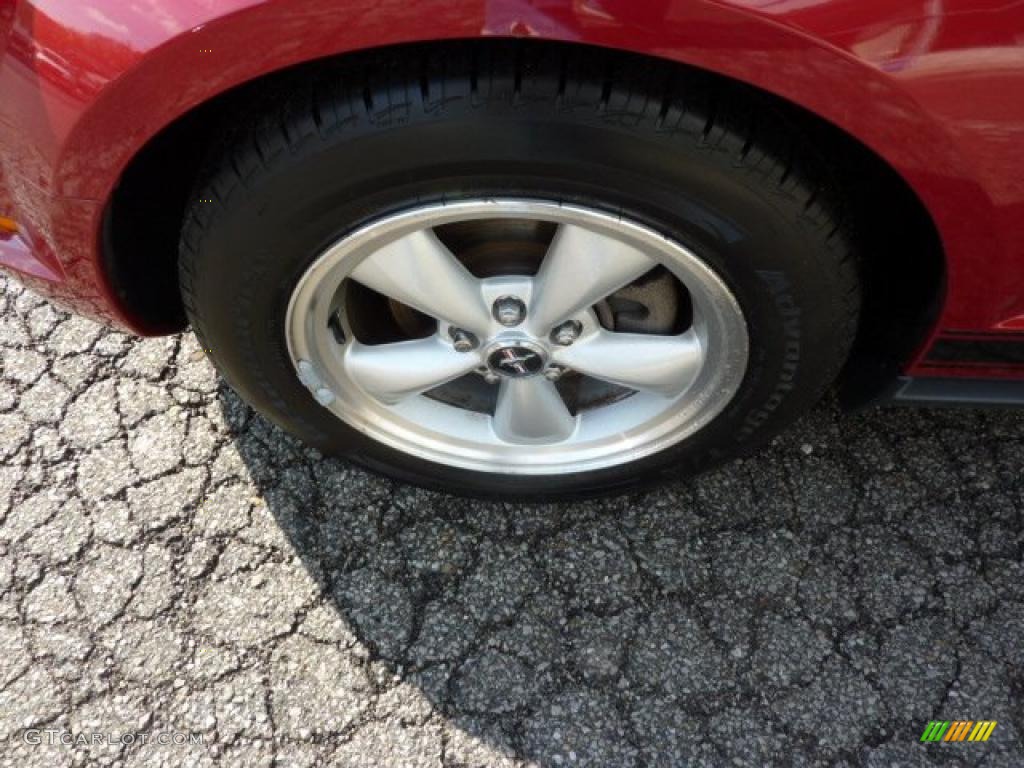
[{"x": 170, "y": 562}]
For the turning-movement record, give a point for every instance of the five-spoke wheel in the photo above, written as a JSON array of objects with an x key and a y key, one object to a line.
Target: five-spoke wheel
[{"x": 573, "y": 390}]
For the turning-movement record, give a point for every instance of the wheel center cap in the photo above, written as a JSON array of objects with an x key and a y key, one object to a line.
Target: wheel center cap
[{"x": 517, "y": 360}]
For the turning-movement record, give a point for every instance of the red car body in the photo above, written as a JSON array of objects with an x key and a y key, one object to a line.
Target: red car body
[{"x": 933, "y": 87}]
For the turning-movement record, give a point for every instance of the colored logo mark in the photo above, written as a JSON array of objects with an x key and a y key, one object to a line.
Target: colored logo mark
[{"x": 958, "y": 730}]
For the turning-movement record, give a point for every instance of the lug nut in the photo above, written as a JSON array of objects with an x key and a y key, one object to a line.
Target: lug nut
[
  {"x": 509, "y": 310},
  {"x": 566, "y": 333},
  {"x": 553, "y": 373},
  {"x": 463, "y": 341}
]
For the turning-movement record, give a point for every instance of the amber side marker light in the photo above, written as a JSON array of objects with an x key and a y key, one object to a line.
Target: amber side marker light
[{"x": 8, "y": 226}]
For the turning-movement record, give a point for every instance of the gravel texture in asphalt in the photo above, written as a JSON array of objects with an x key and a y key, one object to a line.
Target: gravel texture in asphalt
[{"x": 171, "y": 563}]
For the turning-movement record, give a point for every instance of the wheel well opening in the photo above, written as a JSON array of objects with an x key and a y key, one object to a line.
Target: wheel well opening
[
  {"x": 902, "y": 258},
  {"x": 903, "y": 265},
  {"x": 143, "y": 218}
]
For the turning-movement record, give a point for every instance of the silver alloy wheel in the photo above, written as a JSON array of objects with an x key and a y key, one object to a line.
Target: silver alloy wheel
[{"x": 678, "y": 383}]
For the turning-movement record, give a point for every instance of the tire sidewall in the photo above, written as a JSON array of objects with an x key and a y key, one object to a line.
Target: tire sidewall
[{"x": 269, "y": 230}]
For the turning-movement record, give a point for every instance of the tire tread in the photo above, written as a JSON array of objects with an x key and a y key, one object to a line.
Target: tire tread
[{"x": 734, "y": 123}]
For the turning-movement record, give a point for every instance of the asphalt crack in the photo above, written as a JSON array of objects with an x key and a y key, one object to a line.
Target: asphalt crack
[{"x": 170, "y": 561}]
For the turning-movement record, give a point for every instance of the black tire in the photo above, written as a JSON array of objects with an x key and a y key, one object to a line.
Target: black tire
[{"x": 714, "y": 165}]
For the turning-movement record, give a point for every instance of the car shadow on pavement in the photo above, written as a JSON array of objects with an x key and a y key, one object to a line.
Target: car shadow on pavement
[{"x": 818, "y": 602}]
